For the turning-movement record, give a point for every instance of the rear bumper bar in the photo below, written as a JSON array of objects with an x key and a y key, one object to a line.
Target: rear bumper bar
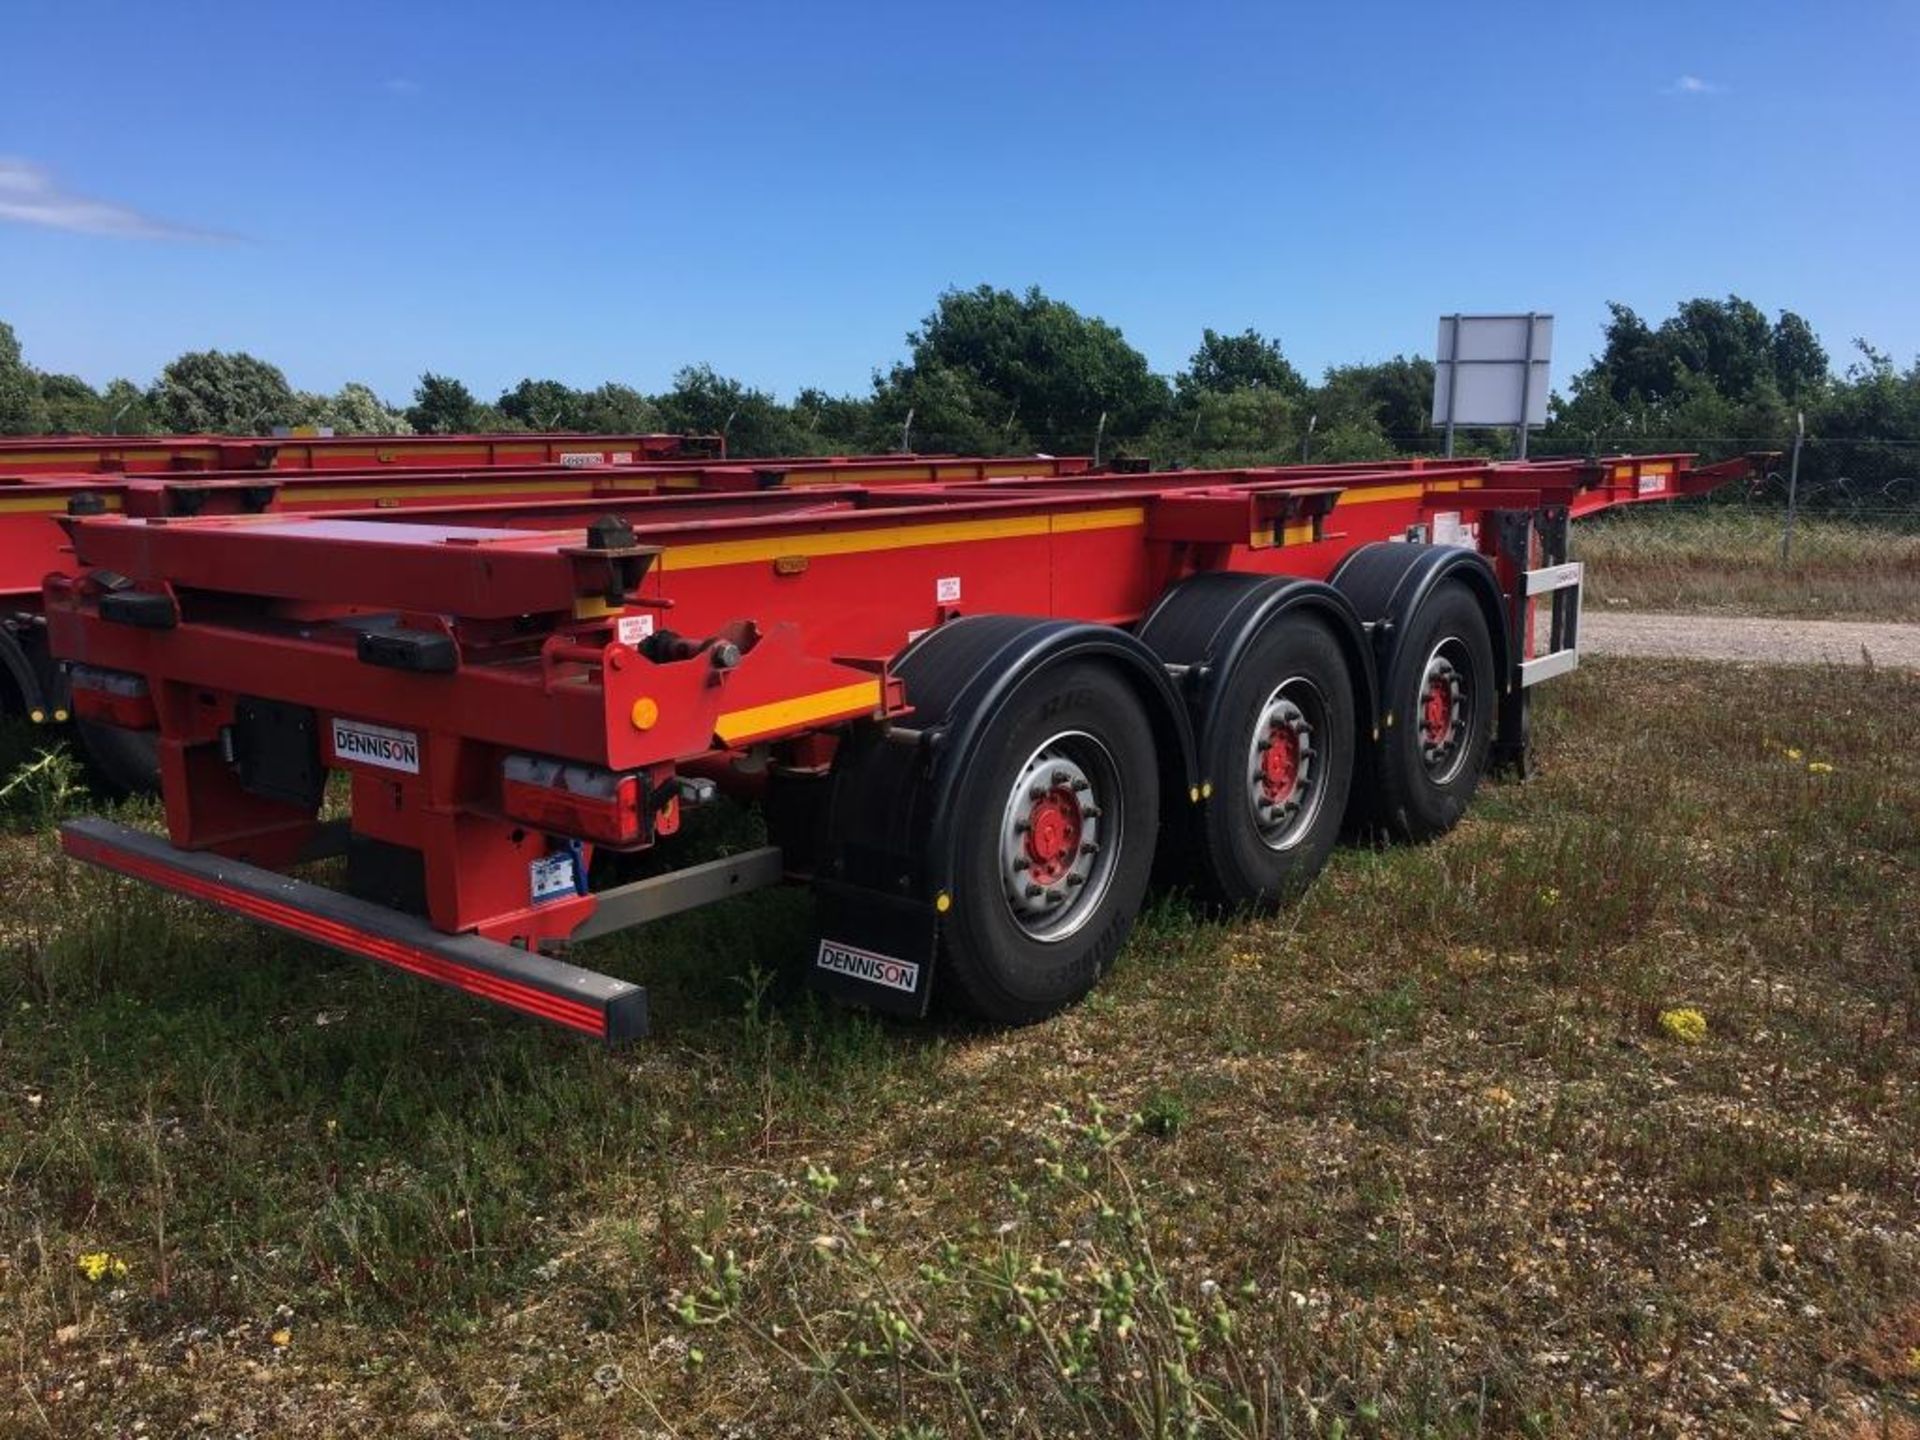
[{"x": 522, "y": 980}]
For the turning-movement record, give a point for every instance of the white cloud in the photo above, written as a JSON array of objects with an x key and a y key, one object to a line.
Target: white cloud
[
  {"x": 29, "y": 195},
  {"x": 1694, "y": 85}
]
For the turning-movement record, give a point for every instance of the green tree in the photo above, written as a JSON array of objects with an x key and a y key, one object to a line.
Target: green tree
[
  {"x": 1247, "y": 361},
  {"x": 1220, "y": 430},
  {"x": 22, "y": 409},
  {"x": 1632, "y": 364},
  {"x": 72, "y": 405},
  {"x": 705, "y": 402},
  {"x": 542, "y": 405},
  {"x": 221, "y": 392},
  {"x": 443, "y": 406},
  {"x": 1727, "y": 341},
  {"x": 1715, "y": 377},
  {"x": 836, "y": 424},
  {"x": 1024, "y": 371},
  {"x": 125, "y": 409},
  {"x": 352, "y": 410},
  {"x": 1800, "y": 365},
  {"x": 934, "y": 407},
  {"x": 615, "y": 409},
  {"x": 1393, "y": 398}
]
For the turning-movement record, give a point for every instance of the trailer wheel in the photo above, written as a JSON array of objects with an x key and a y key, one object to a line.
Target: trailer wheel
[
  {"x": 1440, "y": 697},
  {"x": 1057, "y": 815},
  {"x": 121, "y": 762},
  {"x": 1280, "y": 758}
]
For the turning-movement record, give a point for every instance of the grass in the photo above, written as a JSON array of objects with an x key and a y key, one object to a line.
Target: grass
[
  {"x": 1419, "y": 1156},
  {"x": 1708, "y": 558}
]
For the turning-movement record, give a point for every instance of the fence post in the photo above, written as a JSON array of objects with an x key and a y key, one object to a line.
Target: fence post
[
  {"x": 1793, "y": 487},
  {"x": 1306, "y": 440}
]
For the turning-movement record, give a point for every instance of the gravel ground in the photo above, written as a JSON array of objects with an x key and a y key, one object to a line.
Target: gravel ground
[{"x": 1763, "y": 641}]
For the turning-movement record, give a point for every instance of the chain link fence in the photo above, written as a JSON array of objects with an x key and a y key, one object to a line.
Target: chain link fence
[{"x": 1842, "y": 540}]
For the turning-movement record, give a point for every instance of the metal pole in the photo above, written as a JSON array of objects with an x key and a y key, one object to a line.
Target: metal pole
[
  {"x": 906, "y": 431},
  {"x": 1306, "y": 440},
  {"x": 1453, "y": 379},
  {"x": 1099, "y": 434},
  {"x": 1526, "y": 388},
  {"x": 1793, "y": 486}
]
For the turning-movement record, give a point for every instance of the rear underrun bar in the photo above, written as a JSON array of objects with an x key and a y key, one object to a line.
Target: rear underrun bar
[{"x": 522, "y": 980}]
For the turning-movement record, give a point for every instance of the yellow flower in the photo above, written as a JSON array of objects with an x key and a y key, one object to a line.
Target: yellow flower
[
  {"x": 1689, "y": 1027},
  {"x": 1550, "y": 896},
  {"x": 97, "y": 1265},
  {"x": 1792, "y": 754},
  {"x": 282, "y": 1338},
  {"x": 1819, "y": 767}
]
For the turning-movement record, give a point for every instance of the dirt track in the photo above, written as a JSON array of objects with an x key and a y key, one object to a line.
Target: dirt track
[{"x": 1758, "y": 641}]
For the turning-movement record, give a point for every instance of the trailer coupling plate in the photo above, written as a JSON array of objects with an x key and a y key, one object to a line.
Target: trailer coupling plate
[{"x": 522, "y": 980}]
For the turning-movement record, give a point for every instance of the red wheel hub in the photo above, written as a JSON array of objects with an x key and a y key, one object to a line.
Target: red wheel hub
[
  {"x": 1053, "y": 835},
  {"x": 1436, "y": 711},
  {"x": 1280, "y": 765}
]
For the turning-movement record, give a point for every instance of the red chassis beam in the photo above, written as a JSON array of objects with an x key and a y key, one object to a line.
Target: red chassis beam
[
  {"x": 32, "y": 543},
  {"x": 425, "y": 656},
  {"x": 161, "y": 454},
  {"x": 533, "y": 984}
]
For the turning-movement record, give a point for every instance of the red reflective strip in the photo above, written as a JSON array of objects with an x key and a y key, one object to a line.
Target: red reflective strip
[{"x": 575, "y": 1014}]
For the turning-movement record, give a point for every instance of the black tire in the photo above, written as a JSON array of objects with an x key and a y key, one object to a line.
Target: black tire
[
  {"x": 120, "y": 762},
  {"x": 1420, "y": 790},
  {"x": 1002, "y": 965},
  {"x": 1262, "y": 836}
]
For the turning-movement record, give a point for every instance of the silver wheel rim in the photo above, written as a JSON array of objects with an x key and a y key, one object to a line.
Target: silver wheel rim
[
  {"x": 1060, "y": 835},
  {"x": 1285, "y": 761},
  {"x": 1443, "y": 739}
]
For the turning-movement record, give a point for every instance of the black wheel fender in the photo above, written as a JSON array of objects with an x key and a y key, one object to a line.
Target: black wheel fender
[
  {"x": 1206, "y": 624},
  {"x": 1387, "y": 583}
]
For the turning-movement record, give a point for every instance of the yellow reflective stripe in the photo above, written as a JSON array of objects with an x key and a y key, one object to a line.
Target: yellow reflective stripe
[
  {"x": 40, "y": 505},
  {"x": 898, "y": 537},
  {"x": 1072, "y": 520},
  {"x": 1373, "y": 494},
  {"x": 839, "y": 704}
]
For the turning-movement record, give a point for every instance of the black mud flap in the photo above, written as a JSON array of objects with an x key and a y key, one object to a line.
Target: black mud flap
[{"x": 874, "y": 949}]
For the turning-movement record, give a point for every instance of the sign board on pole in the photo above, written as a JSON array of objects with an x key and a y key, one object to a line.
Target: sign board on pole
[{"x": 1492, "y": 370}]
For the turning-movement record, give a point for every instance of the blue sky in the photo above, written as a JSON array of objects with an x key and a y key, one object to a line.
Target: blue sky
[{"x": 595, "y": 191}]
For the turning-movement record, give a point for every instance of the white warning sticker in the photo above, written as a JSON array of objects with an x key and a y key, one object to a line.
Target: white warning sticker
[
  {"x": 632, "y": 629},
  {"x": 946, "y": 590},
  {"x": 551, "y": 876},
  {"x": 1651, "y": 484}
]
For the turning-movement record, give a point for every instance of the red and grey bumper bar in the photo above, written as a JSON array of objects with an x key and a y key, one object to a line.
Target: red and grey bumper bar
[{"x": 522, "y": 980}]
